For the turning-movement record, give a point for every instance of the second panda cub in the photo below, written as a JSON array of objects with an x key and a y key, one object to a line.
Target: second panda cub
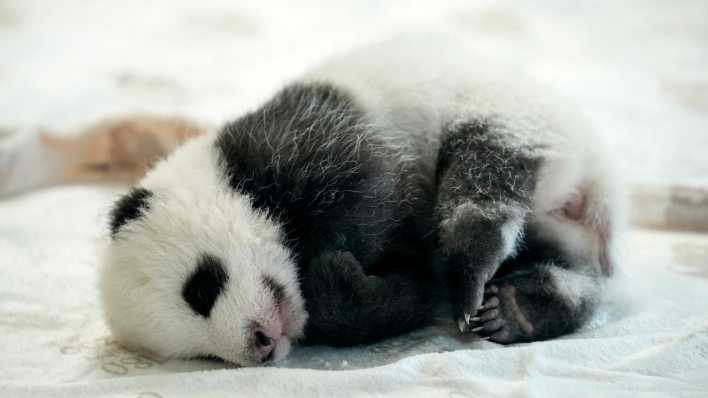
[{"x": 330, "y": 211}]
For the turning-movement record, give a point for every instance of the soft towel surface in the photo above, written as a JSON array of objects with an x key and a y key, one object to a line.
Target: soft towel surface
[
  {"x": 55, "y": 342},
  {"x": 636, "y": 68}
]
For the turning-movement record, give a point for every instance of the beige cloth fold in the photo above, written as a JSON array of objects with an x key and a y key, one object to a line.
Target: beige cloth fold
[{"x": 676, "y": 208}]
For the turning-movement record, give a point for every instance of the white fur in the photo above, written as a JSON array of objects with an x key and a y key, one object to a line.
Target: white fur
[
  {"x": 411, "y": 90},
  {"x": 193, "y": 211},
  {"x": 511, "y": 231},
  {"x": 413, "y": 87},
  {"x": 581, "y": 169},
  {"x": 574, "y": 287}
]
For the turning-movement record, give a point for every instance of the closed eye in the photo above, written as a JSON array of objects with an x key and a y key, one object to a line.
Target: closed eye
[{"x": 276, "y": 288}]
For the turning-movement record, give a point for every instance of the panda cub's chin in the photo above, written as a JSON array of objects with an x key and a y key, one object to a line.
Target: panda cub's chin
[{"x": 193, "y": 270}]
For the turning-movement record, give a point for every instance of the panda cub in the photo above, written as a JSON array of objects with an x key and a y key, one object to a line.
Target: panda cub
[{"x": 348, "y": 206}]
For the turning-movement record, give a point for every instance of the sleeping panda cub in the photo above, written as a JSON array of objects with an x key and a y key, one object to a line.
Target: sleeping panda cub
[{"x": 348, "y": 206}]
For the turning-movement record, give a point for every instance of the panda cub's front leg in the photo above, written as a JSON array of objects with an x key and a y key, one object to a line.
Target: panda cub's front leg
[
  {"x": 526, "y": 250},
  {"x": 484, "y": 190}
]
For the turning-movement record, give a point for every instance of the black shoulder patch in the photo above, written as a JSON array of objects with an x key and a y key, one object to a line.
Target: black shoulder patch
[
  {"x": 205, "y": 284},
  {"x": 290, "y": 143},
  {"x": 129, "y": 207},
  {"x": 309, "y": 158}
]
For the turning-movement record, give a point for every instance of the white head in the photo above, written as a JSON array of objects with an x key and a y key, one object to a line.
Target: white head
[{"x": 193, "y": 270}]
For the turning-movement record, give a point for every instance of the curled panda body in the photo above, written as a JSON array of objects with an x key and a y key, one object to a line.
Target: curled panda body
[
  {"x": 297, "y": 202},
  {"x": 321, "y": 213},
  {"x": 350, "y": 207}
]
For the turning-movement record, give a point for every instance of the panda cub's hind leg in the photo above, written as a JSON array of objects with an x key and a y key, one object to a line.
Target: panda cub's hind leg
[
  {"x": 556, "y": 278},
  {"x": 491, "y": 191},
  {"x": 538, "y": 294},
  {"x": 349, "y": 307}
]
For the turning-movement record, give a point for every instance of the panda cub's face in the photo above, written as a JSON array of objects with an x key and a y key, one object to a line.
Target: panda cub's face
[{"x": 192, "y": 270}]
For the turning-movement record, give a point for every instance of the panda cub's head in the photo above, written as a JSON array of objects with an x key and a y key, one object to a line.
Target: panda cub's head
[{"x": 193, "y": 270}]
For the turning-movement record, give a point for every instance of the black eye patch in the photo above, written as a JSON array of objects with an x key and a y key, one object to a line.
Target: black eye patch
[
  {"x": 129, "y": 207},
  {"x": 205, "y": 284},
  {"x": 276, "y": 289}
]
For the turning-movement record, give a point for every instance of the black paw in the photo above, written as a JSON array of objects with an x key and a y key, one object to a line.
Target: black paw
[
  {"x": 348, "y": 307},
  {"x": 500, "y": 318},
  {"x": 335, "y": 261},
  {"x": 333, "y": 273}
]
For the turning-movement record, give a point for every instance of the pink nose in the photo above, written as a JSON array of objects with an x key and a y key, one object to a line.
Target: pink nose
[{"x": 264, "y": 345}]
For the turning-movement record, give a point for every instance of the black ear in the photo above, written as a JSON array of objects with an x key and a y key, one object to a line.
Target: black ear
[
  {"x": 205, "y": 284},
  {"x": 129, "y": 207}
]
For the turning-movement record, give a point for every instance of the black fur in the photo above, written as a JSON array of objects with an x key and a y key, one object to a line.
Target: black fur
[
  {"x": 349, "y": 307},
  {"x": 275, "y": 288},
  {"x": 128, "y": 208},
  {"x": 359, "y": 219},
  {"x": 523, "y": 287},
  {"x": 482, "y": 184},
  {"x": 311, "y": 160},
  {"x": 473, "y": 165},
  {"x": 523, "y": 307},
  {"x": 203, "y": 287},
  {"x": 307, "y": 158},
  {"x": 529, "y": 273},
  {"x": 365, "y": 225}
]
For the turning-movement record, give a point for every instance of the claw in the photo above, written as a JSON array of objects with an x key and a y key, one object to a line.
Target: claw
[
  {"x": 485, "y": 338},
  {"x": 462, "y": 325},
  {"x": 477, "y": 329},
  {"x": 475, "y": 319},
  {"x": 467, "y": 317}
]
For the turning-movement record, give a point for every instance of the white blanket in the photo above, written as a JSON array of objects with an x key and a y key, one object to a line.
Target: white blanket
[
  {"x": 637, "y": 70},
  {"x": 54, "y": 340}
]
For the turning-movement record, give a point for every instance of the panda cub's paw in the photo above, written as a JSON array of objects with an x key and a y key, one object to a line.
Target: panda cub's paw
[
  {"x": 515, "y": 310},
  {"x": 500, "y": 318},
  {"x": 331, "y": 267},
  {"x": 332, "y": 286},
  {"x": 328, "y": 277}
]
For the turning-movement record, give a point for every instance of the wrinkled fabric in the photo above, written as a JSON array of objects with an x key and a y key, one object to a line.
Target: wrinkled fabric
[{"x": 636, "y": 69}]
